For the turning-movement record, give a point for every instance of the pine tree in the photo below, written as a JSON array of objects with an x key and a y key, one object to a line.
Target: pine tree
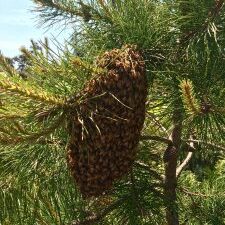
[{"x": 101, "y": 131}]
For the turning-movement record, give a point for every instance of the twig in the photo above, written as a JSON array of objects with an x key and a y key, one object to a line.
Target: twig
[
  {"x": 158, "y": 123},
  {"x": 206, "y": 143},
  {"x": 97, "y": 217},
  {"x": 146, "y": 167},
  {"x": 212, "y": 14},
  {"x": 51, "y": 142},
  {"x": 183, "y": 165},
  {"x": 186, "y": 191},
  {"x": 155, "y": 138}
]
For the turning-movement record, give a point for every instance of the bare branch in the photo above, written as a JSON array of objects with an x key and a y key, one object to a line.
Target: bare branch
[
  {"x": 206, "y": 143},
  {"x": 183, "y": 165}
]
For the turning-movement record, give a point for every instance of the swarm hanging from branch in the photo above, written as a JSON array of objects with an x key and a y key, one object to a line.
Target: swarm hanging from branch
[{"x": 105, "y": 128}]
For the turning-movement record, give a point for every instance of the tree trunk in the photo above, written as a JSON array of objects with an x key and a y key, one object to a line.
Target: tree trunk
[{"x": 170, "y": 159}]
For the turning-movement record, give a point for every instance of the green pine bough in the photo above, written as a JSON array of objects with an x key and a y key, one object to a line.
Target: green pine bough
[{"x": 62, "y": 99}]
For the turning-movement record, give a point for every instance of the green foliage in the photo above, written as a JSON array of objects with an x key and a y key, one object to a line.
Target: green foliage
[
  {"x": 203, "y": 202},
  {"x": 182, "y": 43},
  {"x": 35, "y": 106},
  {"x": 35, "y": 187}
]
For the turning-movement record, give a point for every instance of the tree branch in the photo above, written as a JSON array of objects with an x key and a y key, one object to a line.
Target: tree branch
[
  {"x": 95, "y": 218},
  {"x": 170, "y": 161},
  {"x": 183, "y": 165},
  {"x": 146, "y": 167},
  {"x": 206, "y": 143},
  {"x": 212, "y": 14},
  {"x": 91, "y": 220},
  {"x": 186, "y": 191},
  {"x": 158, "y": 123},
  {"x": 155, "y": 138}
]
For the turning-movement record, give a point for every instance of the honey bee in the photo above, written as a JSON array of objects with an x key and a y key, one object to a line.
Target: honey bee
[{"x": 100, "y": 158}]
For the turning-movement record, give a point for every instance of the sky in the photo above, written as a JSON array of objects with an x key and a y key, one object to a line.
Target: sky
[{"x": 18, "y": 26}]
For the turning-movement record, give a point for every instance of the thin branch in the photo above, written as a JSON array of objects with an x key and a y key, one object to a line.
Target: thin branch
[
  {"x": 44, "y": 141},
  {"x": 155, "y": 138},
  {"x": 97, "y": 217},
  {"x": 158, "y": 123},
  {"x": 212, "y": 14},
  {"x": 186, "y": 191},
  {"x": 206, "y": 143},
  {"x": 183, "y": 165},
  {"x": 147, "y": 167}
]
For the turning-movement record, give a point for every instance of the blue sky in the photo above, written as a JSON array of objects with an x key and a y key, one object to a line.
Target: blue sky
[{"x": 18, "y": 25}]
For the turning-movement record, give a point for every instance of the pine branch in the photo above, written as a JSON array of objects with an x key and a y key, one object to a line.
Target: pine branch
[
  {"x": 45, "y": 141},
  {"x": 60, "y": 73},
  {"x": 189, "y": 100},
  {"x": 31, "y": 93},
  {"x": 4, "y": 65},
  {"x": 76, "y": 61},
  {"x": 134, "y": 192},
  {"x": 210, "y": 144},
  {"x": 95, "y": 218},
  {"x": 186, "y": 191},
  {"x": 58, "y": 8},
  {"x": 67, "y": 10},
  {"x": 158, "y": 123},
  {"x": 213, "y": 13},
  {"x": 22, "y": 136},
  {"x": 98, "y": 217},
  {"x": 183, "y": 165},
  {"x": 155, "y": 138},
  {"x": 148, "y": 168}
]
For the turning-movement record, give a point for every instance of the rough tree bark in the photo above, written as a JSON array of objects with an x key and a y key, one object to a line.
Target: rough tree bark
[{"x": 170, "y": 159}]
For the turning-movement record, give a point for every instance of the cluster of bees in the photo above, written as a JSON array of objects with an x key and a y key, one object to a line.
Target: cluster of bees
[{"x": 105, "y": 128}]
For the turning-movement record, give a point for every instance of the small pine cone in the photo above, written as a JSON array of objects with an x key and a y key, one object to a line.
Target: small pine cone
[{"x": 105, "y": 130}]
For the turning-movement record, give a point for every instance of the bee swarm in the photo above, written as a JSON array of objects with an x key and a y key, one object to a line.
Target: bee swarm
[{"x": 105, "y": 128}]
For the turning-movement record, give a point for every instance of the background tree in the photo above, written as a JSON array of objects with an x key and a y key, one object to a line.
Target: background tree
[
  {"x": 21, "y": 62},
  {"x": 182, "y": 44}
]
